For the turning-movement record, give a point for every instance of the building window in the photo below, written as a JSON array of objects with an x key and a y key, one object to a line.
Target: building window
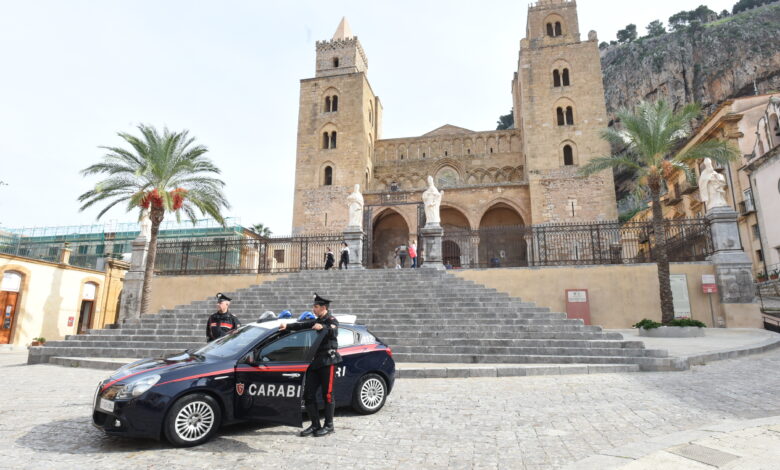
[
  {"x": 333, "y": 140},
  {"x": 334, "y": 103},
  {"x": 325, "y": 140},
  {"x": 756, "y": 232},
  {"x": 568, "y": 155},
  {"x": 556, "y": 78},
  {"x": 760, "y": 256},
  {"x": 327, "y": 104},
  {"x": 559, "y": 116},
  {"x": 569, "y": 116},
  {"x": 558, "y": 28},
  {"x": 566, "y": 77},
  {"x": 446, "y": 153},
  {"x": 423, "y": 154},
  {"x": 328, "y": 177},
  {"x": 550, "y": 30},
  {"x": 335, "y": 62}
]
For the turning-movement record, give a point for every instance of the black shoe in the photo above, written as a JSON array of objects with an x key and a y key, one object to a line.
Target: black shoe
[
  {"x": 328, "y": 429},
  {"x": 309, "y": 431}
]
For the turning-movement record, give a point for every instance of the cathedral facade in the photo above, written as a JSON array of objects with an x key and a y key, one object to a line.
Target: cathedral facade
[{"x": 515, "y": 177}]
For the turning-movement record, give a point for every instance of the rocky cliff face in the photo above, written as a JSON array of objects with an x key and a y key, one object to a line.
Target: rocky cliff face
[{"x": 707, "y": 63}]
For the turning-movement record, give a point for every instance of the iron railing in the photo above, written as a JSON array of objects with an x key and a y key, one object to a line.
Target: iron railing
[
  {"x": 574, "y": 244},
  {"x": 245, "y": 255}
]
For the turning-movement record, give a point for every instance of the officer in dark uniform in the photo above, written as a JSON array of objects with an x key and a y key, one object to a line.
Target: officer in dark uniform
[
  {"x": 322, "y": 367},
  {"x": 222, "y": 322}
]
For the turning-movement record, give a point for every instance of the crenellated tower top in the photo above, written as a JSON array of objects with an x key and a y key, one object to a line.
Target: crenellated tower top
[{"x": 342, "y": 54}]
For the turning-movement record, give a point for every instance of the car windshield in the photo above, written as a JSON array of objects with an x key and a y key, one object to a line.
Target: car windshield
[{"x": 234, "y": 343}]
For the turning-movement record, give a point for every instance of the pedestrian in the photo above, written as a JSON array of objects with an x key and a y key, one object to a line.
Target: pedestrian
[
  {"x": 413, "y": 253},
  {"x": 329, "y": 259},
  {"x": 320, "y": 373},
  {"x": 222, "y": 321},
  {"x": 403, "y": 252},
  {"x": 396, "y": 259},
  {"x": 344, "y": 257}
]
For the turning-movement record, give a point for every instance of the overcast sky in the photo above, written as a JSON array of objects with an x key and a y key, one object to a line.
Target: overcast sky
[{"x": 74, "y": 73}]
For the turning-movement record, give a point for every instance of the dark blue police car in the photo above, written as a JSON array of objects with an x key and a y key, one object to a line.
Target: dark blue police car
[{"x": 255, "y": 373}]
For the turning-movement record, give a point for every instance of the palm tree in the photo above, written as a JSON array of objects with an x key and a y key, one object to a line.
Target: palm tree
[
  {"x": 159, "y": 173},
  {"x": 650, "y": 135},
  {"x": 261, "y": 230}
]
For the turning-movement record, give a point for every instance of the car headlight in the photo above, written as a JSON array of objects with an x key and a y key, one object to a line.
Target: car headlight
[{"x": 137, "y": 388}]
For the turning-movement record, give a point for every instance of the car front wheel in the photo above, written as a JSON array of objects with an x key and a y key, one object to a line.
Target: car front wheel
[
  {"x": 192, "y": 420},
  {"x": 370, "y": 394}
]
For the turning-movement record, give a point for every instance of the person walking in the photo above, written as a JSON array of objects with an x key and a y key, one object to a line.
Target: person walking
[
  {"x": 320, "y": 373},
  {"x": 344, "y": 257},
  {"x": 403, "y": 252},
  {"x": 413, "y": 253},
  {"x": 222, "y": 321},
  {"x": 329, "y": 259}
]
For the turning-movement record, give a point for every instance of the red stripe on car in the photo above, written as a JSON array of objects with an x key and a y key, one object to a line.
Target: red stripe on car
[
  {"x": 358, "y": 349},
  {"x": 296, "y": 368}
]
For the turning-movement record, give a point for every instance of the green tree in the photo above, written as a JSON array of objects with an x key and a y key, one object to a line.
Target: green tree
[
  {"x": 506, "y": 121},
  {"x": 603, "y": 45},
  {"x": 627, "y": 35},
  {"x": 655, "y": 28},
  {"x": 650, "y": 134},
  {"x": 261, "y": 230},
  {"x": 743, "y": 5},
  {"x": 679, "y": 21},
  {"x": 703, "y": 14},
  {"x": 160, "y": 173}
]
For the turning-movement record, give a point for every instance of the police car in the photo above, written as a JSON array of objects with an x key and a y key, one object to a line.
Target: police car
[{"x": 254, "y": 373}]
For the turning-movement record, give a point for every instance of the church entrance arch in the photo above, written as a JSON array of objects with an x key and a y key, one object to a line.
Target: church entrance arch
[
  {"x": 457, "y": 243},
  {"x": 501, "y": 237},
  {"x": 385, "y": 229},
  {"x": 390, "y": 230}
]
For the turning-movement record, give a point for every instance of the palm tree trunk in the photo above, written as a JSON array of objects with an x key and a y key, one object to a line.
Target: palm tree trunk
[
  {"x": 662, "y": 261},
  {"x": 156, "y": 215}
]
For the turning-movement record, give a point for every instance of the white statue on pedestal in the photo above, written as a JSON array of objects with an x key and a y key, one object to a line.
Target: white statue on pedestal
[
  {"x": 432, "y": 199},
  {"x": 146, "y": 224},
  {"x": 712, "y": 186},
  {"x": 355, "y": 204}
]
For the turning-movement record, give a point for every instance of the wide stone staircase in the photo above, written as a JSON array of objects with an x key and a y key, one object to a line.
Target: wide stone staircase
[{"x": 425, "y": 316}]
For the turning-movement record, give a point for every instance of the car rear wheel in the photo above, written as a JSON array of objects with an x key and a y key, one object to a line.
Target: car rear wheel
[
  {"x": 370, "y": 394},
  {"x": 192, "y": 420}
]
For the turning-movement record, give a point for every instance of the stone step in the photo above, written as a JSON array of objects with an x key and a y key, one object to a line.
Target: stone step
[
  {"x": 527, "y": 351},
  {"x": 644, "y": 363}
]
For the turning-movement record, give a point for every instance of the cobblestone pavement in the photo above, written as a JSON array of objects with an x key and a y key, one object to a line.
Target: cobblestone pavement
[{"x": 510, "y": 422}]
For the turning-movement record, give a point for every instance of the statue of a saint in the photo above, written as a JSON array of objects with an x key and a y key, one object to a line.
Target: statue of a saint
[
  {"x": 355, "y": 204},
  {"x": 432, "y": 200},
  {"x": 712, "y": 186},
  {"x": 146, "y": 224}
]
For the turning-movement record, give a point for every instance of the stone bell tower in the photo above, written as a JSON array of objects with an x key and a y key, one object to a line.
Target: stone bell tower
[
  {"x": 338, "y": 123},
  {"x": 559, "y": 105}
]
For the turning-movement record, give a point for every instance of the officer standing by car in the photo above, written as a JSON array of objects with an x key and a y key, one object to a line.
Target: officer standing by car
[
  {"x": 222, "y": 321},
  {"x": 320, "y": 373}
]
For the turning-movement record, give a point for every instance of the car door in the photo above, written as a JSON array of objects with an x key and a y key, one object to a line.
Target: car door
[{"x": 270, "y": 387}]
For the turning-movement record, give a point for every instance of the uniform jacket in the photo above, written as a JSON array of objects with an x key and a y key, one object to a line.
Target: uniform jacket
[
  {"x": 220, "y": 324},
  {"x": 327, "y": 353}
]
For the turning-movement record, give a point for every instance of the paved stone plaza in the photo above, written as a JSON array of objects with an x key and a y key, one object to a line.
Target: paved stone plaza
[{"x": 510, "y": 422}]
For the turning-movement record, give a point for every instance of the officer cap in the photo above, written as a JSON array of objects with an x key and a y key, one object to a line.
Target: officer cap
[
  {"x": 285, "y": 314},
  {"x": 320, "y": 301},
  {"x": 222, "y": 297},
  {"x": 306, "y": 316}
]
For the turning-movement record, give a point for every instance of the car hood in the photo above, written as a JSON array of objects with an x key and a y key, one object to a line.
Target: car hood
[{"x": 165, "y": 367}]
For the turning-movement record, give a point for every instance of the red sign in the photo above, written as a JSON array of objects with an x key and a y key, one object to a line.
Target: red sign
[
  {"x": 578, "y": 304},
  {"x": 70, "y": 321},
  {"x": 708, "y": 285}
]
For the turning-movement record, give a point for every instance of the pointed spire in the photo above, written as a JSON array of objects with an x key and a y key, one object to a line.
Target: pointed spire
[{"x": 343, "y": 31}]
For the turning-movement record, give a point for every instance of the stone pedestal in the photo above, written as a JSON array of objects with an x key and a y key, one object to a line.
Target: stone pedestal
[
  {"x": 733, "y": 271},
  {"x": 432, "y": 252},
  {"x": 130, "y": 306},
  {"x": 353, "y": 236}
]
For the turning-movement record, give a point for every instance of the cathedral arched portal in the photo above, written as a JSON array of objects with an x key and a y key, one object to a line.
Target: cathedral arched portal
[
  {"x": 502, "y": 237},
  {"x": 457, "y": 245},
  {"x": 390, "y": 230}
]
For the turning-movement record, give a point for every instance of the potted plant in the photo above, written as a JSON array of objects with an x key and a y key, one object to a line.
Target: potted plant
[
  {"x": 677, "y": 328},
  {"x": 774, "y": 274},
  {"x": 761, "y": 276},
  {"x": 38, "y": 341}
]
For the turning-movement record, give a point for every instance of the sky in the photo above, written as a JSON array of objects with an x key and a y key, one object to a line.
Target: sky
[{"x": 74, "y": 73}]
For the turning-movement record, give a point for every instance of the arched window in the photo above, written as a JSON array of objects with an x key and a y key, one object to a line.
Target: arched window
[
  {"x": 559, "y": 115},
  {"x": 558, "y": 29},
  {"x": 550, "y": 31},
  {"x": 569, "y": 116},
  {"x": 334, "y": 103},
  {"x": 335, "y": 62},
  {"x": 325, "y": 140},
  {"x": 327, "y": 104},
  {"x": 327, "y": 179},
  {"x": 566, "y": 77},
  {"x": 568, "y": 155},
  {"x": 333, "y": 140},
  {"x": 556, "y": 78}
]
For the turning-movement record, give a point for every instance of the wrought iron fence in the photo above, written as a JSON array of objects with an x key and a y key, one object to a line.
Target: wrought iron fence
[
  {"x": 574, "y": 244},
  {"x": 245, "y": 255}
]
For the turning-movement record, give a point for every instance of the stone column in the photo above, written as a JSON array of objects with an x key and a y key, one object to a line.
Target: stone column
[
  {"x": 130, "y": 306},
  {"x": 65, "y": 254},
  {"x": 353, "y": 236},
  {"x": 432, "y": 237},
  {"x": 733, "y": 271}
]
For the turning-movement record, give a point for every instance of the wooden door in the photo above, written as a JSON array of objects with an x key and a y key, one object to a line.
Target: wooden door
[
  {"x": 8, "y": 305},
  {"x": 85, "y": 316}
]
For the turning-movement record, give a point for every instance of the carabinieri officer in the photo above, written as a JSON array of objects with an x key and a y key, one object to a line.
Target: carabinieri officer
[
  {"x": 222, "y": 321},
  {"x": 321, "y": 369}
]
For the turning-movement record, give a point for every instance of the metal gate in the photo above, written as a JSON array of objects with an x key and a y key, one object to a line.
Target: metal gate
[{"x": 388, "y": 200}]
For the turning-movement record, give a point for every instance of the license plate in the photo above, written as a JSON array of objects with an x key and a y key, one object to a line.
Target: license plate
[{"x": 106, "y": 405}]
